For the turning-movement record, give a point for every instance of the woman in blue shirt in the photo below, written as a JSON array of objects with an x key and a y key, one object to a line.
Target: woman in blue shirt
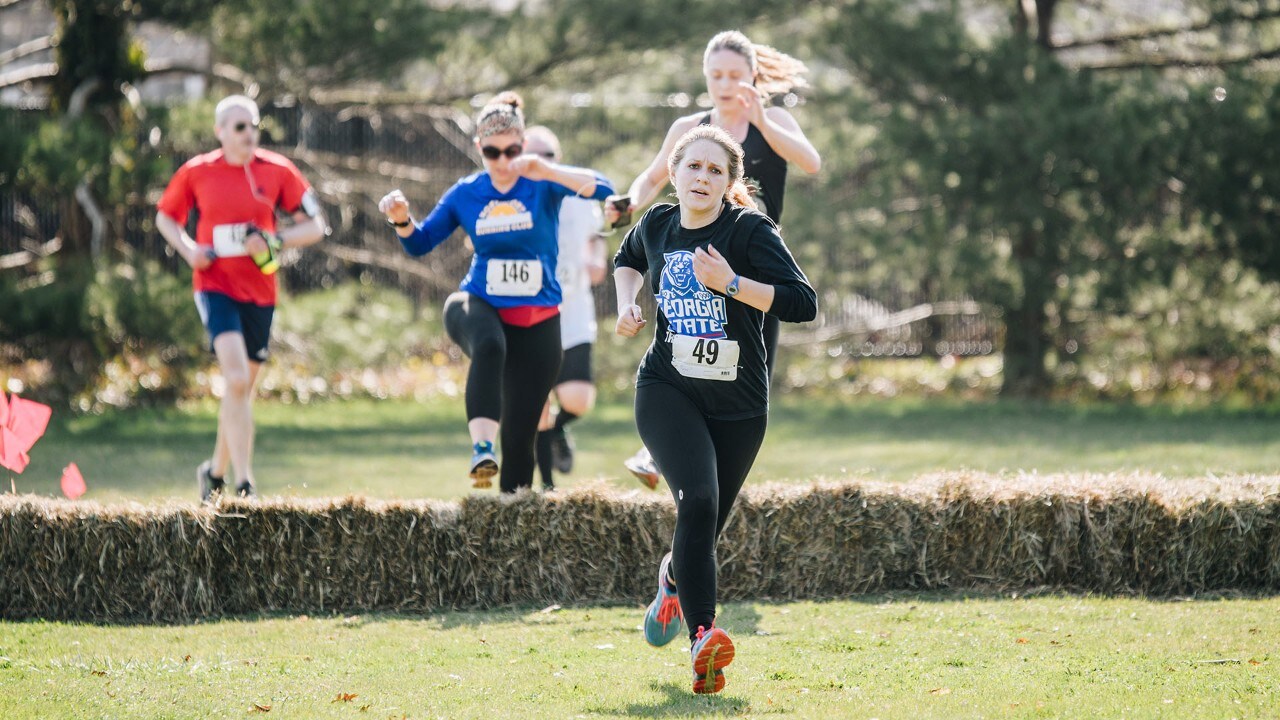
[{"x": 505, "y": 315}]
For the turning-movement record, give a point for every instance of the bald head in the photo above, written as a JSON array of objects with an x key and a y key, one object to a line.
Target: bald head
[{"x": 539, "y": 140}]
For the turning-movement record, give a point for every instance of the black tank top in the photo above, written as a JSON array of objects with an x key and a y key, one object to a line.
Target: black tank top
[{"x": 767, "y": 168}]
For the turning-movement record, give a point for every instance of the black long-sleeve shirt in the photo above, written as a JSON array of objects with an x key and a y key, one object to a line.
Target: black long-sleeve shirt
[{"x": 698, "y": 330}]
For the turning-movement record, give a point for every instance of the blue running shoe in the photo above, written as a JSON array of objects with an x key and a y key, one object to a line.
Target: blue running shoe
[
  {"x": 712, "y": 651},
  {"x": 484, "y": 465},
  {"x": 662, "y": 618}
]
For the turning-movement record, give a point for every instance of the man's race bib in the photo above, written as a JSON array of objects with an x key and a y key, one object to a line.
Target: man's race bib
[
  {"x": 228, "y": 240},
  {"x": 514, "y": 278},
  {"x": 705, "y": 358}
]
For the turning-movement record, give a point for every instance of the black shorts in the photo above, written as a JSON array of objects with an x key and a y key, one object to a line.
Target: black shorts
[
  {"x": 221, "y": 314},
  {"x": 576, "y": 364}
]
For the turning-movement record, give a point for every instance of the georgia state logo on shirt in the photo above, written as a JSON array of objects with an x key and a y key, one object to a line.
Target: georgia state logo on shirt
[
  {"x": 689, "y": 307},
  {"x": 503, "y": 216}
]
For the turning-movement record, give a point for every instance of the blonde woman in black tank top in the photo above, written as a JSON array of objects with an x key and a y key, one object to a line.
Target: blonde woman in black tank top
[{"x": 740, "y": 77}]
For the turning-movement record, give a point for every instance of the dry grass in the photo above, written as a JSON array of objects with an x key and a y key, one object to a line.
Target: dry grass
[{"x": 1103, "y": 533}]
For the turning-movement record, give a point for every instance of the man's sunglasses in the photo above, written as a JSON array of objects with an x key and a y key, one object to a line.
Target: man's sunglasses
[
  {"x": 242, "y": 125},
  {"x": 511, "y": 151}
]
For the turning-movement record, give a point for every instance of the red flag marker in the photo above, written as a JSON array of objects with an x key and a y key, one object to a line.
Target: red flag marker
[
  {"x": 28, "y": 420},
  {"x": 12, "y": 455},
  {"x": 72, "y": 482},
  {"x": 4, "y": 409}
]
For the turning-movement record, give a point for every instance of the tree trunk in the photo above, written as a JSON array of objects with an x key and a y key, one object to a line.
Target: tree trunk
[
  {"x": 93, "y": 43},
  {"x": 1026, "y": 341},
  {"x": 74, "y": 228}
]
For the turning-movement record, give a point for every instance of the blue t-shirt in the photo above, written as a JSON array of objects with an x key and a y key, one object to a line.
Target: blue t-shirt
[{"x": 507, "y": 230}]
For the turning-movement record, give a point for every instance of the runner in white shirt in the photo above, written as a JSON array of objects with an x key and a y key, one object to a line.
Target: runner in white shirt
[{"x": 582, "y": 264}]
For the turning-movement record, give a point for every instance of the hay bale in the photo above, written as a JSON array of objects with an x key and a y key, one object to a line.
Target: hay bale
[{"x": 178, "y": 561}]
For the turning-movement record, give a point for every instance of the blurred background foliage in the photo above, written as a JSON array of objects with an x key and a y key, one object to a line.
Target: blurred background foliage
[{"x": 1101, "y": 179}]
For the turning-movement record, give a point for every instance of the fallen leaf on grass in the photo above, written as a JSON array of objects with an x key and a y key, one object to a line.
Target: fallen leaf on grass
[
  {"x": 345, "y": 697},
  {"x": 549, "y": 609},
  {"x": 940, "y": 691},
  {"x": 365, "y": 708},
  {"x": 98, "y": 673},
  {"x": 186, "y": 658},
  {"x": 261, "y": 708},
  {"x": 1022, "y": 641},
  {"x": 1255, "y": 662}
]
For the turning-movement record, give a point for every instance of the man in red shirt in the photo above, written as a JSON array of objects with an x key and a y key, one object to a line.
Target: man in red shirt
[{"x": 237, "y": 190}]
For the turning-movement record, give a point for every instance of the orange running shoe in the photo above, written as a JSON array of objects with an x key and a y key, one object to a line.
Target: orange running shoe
[{"x": 712, "y": 651}]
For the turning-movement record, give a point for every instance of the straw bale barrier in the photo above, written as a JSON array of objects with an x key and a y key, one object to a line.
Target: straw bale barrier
[{"x": 1102, "y": 533}]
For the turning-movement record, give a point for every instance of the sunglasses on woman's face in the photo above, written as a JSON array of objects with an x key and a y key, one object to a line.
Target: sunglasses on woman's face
[
  {"x": 242, "y": 126},
  {"x": 511, "y": 151}
]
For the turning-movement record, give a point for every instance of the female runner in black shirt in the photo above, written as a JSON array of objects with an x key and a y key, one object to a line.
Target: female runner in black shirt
[
  {"x": 740, "y": 76},
  {"x": 716, "y": 266}
]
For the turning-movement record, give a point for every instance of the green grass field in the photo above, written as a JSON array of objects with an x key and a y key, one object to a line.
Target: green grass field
[
  {"x": 872, "y": 657},
  {"x": 401, "y": 448},
  {"x": 901, "y": 656}
]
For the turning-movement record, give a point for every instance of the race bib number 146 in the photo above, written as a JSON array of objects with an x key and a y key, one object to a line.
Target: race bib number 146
[{"x": 514, "y": 278}]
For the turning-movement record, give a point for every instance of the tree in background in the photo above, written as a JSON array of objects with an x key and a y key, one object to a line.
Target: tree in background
[
  {"x": 1064, "y": 164},
  {"x": 1021, "y": 174}
]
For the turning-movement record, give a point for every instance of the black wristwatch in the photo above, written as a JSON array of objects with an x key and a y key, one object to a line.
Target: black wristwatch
[
  {"x": 393, "y": 223},
  {"x": 732, "y": 288}
]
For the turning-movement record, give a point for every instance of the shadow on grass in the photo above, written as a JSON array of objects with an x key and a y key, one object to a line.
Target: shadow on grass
[{"x": 678, "y": 701}]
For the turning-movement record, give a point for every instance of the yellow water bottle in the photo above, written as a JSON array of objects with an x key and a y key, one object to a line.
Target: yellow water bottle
[{"x": 266, "y": 260}]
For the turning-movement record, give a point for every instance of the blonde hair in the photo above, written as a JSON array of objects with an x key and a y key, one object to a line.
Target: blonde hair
[
  {"x": 737, "y": 192},
  {"x": 501, "y": 114},
  {"x": 773, "y": 71}
]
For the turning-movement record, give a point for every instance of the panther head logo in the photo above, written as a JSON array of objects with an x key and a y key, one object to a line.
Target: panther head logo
[{"x": 677, "y": 275}]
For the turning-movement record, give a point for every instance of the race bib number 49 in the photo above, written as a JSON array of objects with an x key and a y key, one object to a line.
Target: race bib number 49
[
  {"x": 705, "y": 358},
  {"x": 514, "y": 278}
]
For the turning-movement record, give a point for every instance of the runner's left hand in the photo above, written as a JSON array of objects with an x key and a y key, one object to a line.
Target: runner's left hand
[
  {"x": 255, "y": 243},
  {"x": 711, "y": 269},
  {"x": 750, "y": 99}
]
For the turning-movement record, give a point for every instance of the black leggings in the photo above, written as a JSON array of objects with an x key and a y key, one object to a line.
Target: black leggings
[
  {"x": 512, "y": 370},
  {"x": 705, "y": 462}
]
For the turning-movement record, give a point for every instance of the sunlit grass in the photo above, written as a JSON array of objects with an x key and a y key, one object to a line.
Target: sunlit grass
[
  {"x": 402, "y": 448},
  {"x": 910, "y": 657}
]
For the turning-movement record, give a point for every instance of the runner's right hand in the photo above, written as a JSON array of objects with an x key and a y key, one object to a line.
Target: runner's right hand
[
  {"x": 630, "y": 321},
  {"x": 200, "y": 258}
]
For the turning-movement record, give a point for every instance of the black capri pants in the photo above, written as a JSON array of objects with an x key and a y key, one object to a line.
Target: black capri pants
[
  {"x": 705, "y": 462},
  {"x": 512, "y": 371}
]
